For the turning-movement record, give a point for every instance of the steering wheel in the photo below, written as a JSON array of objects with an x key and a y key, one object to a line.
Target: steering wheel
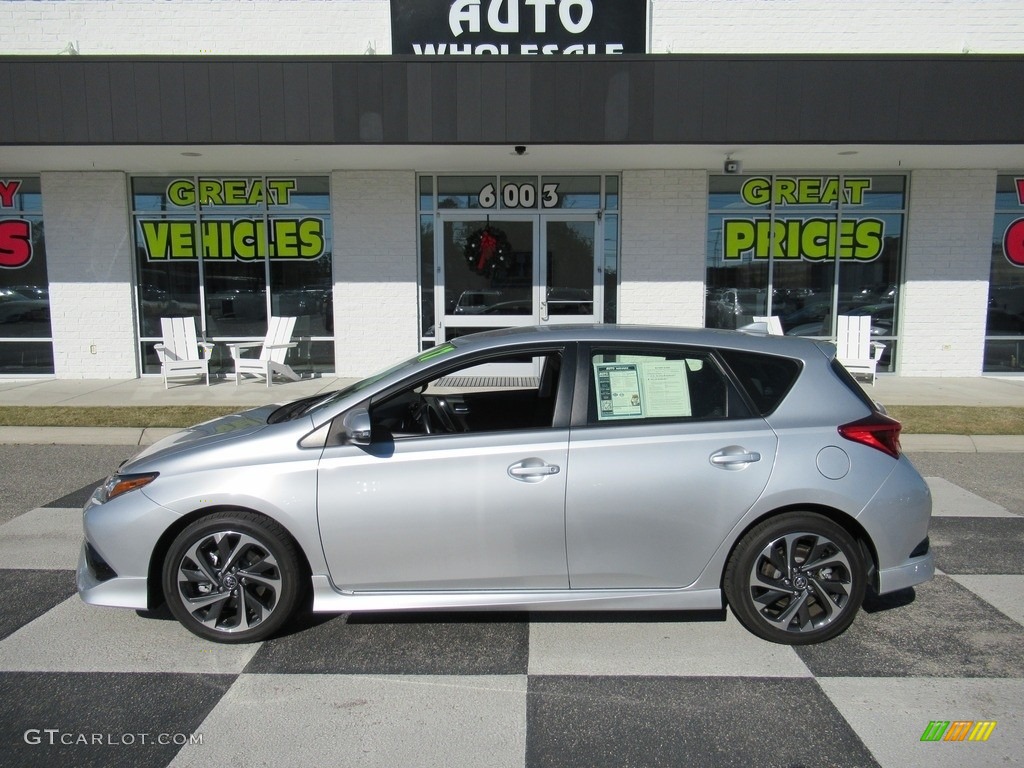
[
  {"x": 421, "y": 414},
  {"x": 444, "y": 414}
]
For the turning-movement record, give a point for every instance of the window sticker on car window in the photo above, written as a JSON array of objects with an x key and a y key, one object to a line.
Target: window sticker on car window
[
  {"x": 618, "y": 391},
  {"x": 666, "y": 390},
  {"x": 654, "y": 388}
]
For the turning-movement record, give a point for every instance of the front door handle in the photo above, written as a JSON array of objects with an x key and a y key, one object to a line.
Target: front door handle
[
  {"x": 734, "y": 457},
  {"x": 532, "y": 470}
]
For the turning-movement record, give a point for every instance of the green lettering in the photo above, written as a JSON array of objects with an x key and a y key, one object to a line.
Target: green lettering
[
  {"x": 756, "y": 191},
  {"x": 154, "y": 235},
  {"x": 814, "y": 239},
  {"x": 181, "y": 192},
  {"x": 830, "y": 191},
  {"x": 311, "y": 235},
  {"x": 234, "y": 191},
  {"x": 285, "y": 242},
  {"x": 870, "y": 237},
  {"x": 210, "y": 192},
  {"x": 280, "y": 190},
  {"x": 809, "y": 190},
  {"x": 785, "y": 191},
  {"x": 737, "y": 236},
  {"x": 855, "y": 189},
  {"x": 244, "y": 239},
  {"x": 183, "y": 240}
]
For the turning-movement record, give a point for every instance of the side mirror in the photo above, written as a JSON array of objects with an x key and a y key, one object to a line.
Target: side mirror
[{"x": 356, "y": 426}]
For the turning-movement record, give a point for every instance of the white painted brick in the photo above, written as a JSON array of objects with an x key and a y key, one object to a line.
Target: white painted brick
[
  {"x": 662, "y": 267},
  {"x": 948, "y": 259},
  {"x": 88, "y": 261},
  {"x": 375, "y": 271}
]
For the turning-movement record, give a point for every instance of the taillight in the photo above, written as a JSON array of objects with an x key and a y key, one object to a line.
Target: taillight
[{"x": 875, "y": 431}]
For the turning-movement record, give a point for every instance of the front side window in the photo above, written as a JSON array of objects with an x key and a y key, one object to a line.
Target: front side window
[
  {"x": 232, "y": 252},
  {"x": 479, "y": 397},
  {"x": 1004, "y": 332},
  {"x": 660, "y": 385},
  {"x": 25, "y": 337},
  {"x": 806, "y": 249}
]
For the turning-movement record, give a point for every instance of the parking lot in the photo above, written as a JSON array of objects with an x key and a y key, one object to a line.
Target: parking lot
[{"x": 97, "y": 686}]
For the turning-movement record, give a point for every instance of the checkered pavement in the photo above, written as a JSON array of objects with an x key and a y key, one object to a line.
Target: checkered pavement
[{"x": 88, "y": 686}]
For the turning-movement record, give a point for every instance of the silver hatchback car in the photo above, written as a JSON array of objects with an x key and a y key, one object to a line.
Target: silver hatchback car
[{"x": 570, "y": 467}]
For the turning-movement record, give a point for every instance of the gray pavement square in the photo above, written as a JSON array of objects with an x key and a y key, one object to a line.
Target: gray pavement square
[
  {"x": 672, "y": 721},
  {"x": 47, "y": 588},
  {"x": 939, "y": 629},
  {"x": 402, "y": 644},
  {"x": 978, "y": 545},
  {"x": 102, "y": 720}
]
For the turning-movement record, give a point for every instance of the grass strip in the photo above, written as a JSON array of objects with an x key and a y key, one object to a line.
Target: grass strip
[{"x": 118, "y": 416}]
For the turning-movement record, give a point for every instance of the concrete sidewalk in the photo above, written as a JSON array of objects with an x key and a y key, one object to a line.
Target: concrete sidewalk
[{"x": 149, "y": 391}]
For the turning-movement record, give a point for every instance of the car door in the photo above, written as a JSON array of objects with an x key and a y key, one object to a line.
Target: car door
[
  {"x": 668, "y": 461},
  {"x": 478, "y": 502}
]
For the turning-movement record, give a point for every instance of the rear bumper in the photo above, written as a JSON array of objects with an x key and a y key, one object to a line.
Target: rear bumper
[{"x": 915, "y": 571}]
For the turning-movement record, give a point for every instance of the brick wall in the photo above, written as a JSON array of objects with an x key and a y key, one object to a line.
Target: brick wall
[
  {"x": 664, "y": 219},
  {"x": 375, "y": 295},
  {"x": 89, "y": 264},
  {"x": 948, "y": 259},
  {"x": 326, "y": 27}
]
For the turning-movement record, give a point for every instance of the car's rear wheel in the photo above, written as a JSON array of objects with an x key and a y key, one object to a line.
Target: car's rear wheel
[
  {"x": 798, "y": 578},
  {"x": 232, "y": 577}
]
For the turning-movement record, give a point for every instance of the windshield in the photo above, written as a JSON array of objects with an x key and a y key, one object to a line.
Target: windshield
[{"x": 313, "y": 404}]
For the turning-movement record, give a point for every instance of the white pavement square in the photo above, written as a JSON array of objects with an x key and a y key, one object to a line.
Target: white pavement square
[
  {"x": 366, "y": 721},
  {"x": 45, "y": 538}
]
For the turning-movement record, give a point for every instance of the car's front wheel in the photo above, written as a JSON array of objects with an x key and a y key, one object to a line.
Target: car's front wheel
[
  {"x": 232, "y": 577},
  {"x": 798, "y": 578}
]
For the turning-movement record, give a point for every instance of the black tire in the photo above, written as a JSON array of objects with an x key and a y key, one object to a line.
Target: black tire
[
  {"x": 250, "y": 598},
  {"x": 796, "y": 579}
]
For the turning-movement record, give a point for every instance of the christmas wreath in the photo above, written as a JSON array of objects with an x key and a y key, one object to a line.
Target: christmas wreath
[{"x": 487, "y": 250}]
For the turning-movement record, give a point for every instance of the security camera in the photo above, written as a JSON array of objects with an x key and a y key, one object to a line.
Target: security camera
[
  {"x": 732, "y": 166},
  {"x": 520, "y": 149}
]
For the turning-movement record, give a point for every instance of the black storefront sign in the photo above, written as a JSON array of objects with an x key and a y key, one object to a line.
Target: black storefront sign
[{"x": 518, "y": 27}]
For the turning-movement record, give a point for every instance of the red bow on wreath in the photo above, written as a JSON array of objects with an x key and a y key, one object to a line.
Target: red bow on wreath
[{"x": 488, "y": 249}]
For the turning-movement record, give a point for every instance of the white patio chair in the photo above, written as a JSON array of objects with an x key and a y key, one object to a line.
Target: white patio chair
[
  {"x": 773, "y": 323},
  {"x": 273, "y": 350},
  {"x": 181, "y": 353},
  {"x": 854, "y": 347}
]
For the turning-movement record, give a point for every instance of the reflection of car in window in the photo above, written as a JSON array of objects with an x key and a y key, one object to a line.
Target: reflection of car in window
[{"x": 15, "y": 307}]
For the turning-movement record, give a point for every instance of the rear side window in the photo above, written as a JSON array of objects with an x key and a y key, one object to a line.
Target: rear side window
[
  {"x": 672, "y": 385},
  {"x": 766, "y": 378}
]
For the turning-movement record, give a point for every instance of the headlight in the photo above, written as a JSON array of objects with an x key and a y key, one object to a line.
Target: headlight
[{"x": 117, "y": 484}]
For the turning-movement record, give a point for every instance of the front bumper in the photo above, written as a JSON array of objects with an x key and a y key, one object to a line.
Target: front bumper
[{"x": 117, "y": 592}]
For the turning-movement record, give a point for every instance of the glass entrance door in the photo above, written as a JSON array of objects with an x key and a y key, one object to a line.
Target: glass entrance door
[{"x": 514, "y": 270}]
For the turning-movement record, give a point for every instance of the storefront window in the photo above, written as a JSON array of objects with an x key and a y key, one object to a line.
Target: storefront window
[
  {"x": 1004, "y": 333},
  {"x": 233, "y": 251},
  {"x": 806, "y": 248},
  {"x": 25, "y": 337},
  {"x": 516, "y": 249}
]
